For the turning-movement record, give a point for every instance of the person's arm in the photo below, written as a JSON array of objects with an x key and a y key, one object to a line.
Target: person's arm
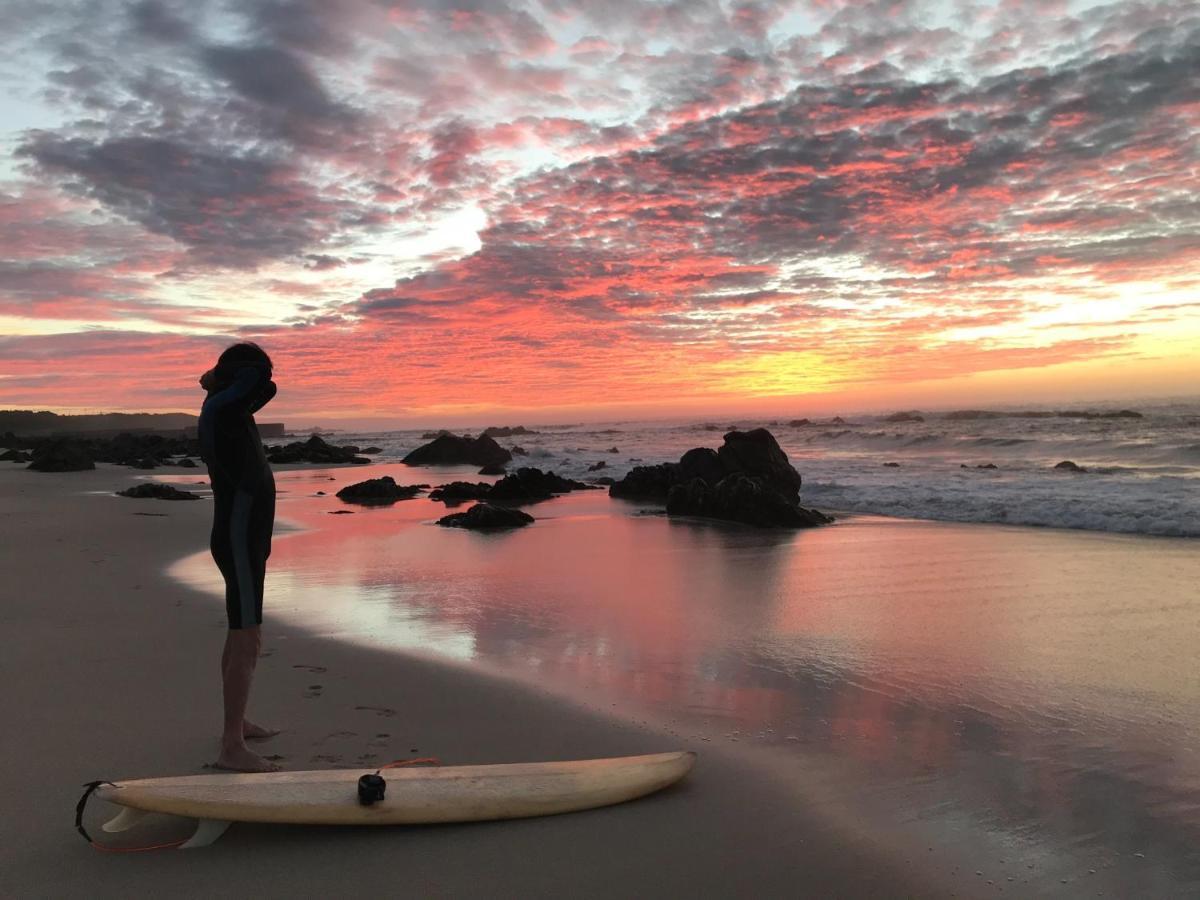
[
  {"x": 245, "y": 382},
  {"x": 264, "y": 395}
]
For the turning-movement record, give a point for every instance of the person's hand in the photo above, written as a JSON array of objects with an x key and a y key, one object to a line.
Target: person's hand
[{"x": 208, "y": 380}]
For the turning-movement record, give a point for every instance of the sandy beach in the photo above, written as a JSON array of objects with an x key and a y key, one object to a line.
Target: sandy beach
[{"x": 111, "y": 670}]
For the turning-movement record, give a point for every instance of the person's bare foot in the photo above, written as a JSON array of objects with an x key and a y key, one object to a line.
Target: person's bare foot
[
  {"x": 252, "y": 732},
  {"x": 243, "y": 759}
]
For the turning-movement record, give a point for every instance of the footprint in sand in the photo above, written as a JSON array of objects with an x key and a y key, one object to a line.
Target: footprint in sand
[
  {"x": 315, "y": 670},
  {"x": 327, "y": 758},
  {"x": 380, "y": 740},
  {"x": 336, "y": 735},
  {"x": 378, "y": 710},
  {"x": 314, "y": 690},
  {"x": 365, "y": 758}
]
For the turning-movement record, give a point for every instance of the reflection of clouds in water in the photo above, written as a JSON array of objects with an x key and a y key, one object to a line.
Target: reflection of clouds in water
[{"x": 979, "y": 674}]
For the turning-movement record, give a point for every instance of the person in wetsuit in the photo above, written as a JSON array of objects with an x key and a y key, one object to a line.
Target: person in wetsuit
[{"x": 243, "y": 518}]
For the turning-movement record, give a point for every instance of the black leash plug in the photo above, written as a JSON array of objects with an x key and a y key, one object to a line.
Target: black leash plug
[{"x": 371, "y": 789}]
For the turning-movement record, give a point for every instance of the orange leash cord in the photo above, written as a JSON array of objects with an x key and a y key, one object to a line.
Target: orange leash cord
[
  {"x": 415, "y": 761},
  {"x": 79, "y": 808}
]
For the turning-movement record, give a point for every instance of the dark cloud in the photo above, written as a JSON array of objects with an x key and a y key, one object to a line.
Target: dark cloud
[
  {"x": 277, "y": 79},
  {"x": 229, "y": 210}
]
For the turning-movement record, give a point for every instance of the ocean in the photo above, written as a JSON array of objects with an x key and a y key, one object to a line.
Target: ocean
[{"x": 1143, "y": 473}]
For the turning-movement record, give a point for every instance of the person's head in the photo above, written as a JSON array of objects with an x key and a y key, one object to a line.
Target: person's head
[{"x": 244, "y": 354}]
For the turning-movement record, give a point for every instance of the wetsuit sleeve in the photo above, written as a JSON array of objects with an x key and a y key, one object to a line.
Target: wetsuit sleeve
[
  {"x": 245, "y": 382},
  {"x": 264, "y": 395}
]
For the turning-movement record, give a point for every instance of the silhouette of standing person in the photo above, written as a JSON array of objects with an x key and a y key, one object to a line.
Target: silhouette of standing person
[{"x": 243, "y": 518}]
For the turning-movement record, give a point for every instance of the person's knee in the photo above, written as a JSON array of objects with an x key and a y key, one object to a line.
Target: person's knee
[{"x": 248, "y": 641}]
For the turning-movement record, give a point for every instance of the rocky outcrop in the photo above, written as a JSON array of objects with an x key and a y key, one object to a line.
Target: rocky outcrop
[
  {"x": 485, "y": 517},
  {"x": 315, "y": 450},
  {"x": 1067, "y": 466},
  {"x": 748, "y": 479},
  {"x": 450, "y": 449},
  {"x": 799, "y": 423},
  {"x": 742, "y": 498},
  {"x": 458, "y": 491},
  {"x": 495, "y": 469},
  {"x": 62, "y": 456},
  {"x": 905, "y": 417},
  {"x": 152, "y": 491},
  {"x": 18, "y": 456},
  {"x": 378, "y": 491},
  {"x": 530, "y": 485},
  {"x": 596, "y": 467},
  {"x": 506, "y": 431},
  {"x": 646, "y": 482}
]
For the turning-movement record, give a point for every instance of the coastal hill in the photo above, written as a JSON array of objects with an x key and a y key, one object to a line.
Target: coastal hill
[{"x": 28, "y": 422}]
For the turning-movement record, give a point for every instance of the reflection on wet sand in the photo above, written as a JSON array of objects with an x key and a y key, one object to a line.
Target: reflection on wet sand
[{"x": 1035, "y": 685}]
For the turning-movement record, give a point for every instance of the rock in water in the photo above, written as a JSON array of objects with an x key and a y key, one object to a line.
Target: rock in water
[
  {"x": 739, "y": 497},
  {"x": 758, "y": 453},
  {"x": 61, "y": 456},
  {"x": 376, "y": 491},
  {"x": 493, "y": 470},
  {"x": 153, "y": 491},
  {"x": 485, "y": 516},
  {"x": 646, "y": 482},
  {"x": 529, "y": 485},
  {"x": 315, "y": 450},
  {"x": 458, "y": 491},
  {"x": 749, "y": 479},
  {"x": 450, "y": 449},
  {"x": 1067, "y": 466}
]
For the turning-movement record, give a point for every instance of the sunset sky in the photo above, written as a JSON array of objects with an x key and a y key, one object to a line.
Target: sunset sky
[{"x": 444, "y": 210}]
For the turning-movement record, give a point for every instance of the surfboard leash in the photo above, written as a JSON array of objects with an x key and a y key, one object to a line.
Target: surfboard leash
[{"x": 82, "y": 805}]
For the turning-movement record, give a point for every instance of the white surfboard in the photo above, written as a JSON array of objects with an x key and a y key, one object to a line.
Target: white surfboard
[{"x": 413, "y": 796}]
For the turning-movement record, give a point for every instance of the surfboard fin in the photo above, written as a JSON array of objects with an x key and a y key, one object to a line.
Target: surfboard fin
[
  {"x": 124, "y": 820},
  {"x": 207, "y": 831}
]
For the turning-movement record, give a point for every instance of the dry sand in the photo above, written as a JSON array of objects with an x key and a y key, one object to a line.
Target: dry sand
[{"x": 110, "y": 670}]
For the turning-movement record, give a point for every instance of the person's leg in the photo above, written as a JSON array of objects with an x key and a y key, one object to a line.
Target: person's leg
[
  {"x": 243, "y": 602},
  {"x": 237, "y": 672}
]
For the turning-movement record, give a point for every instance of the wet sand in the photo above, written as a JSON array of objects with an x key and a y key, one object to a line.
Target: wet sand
[
  {"x": 1020, "y": 699},
  {"x": 110, "y": 671}
]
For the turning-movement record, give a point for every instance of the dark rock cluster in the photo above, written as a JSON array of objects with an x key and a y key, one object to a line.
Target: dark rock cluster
[
  {"x": 1067, "y": 466},
  {"x": 378, "y": 491},
  {"x": 154, "y": 491},
  {"x": 484, "y": 516},
  {"x": 316, "y": 450},
  {"x": 748, "y": 479},
  {"x": 451, "y": 449},
  {"x": 526, "y": 485},
  {"x": 530, "y": 485},
  {"x": 62, "y": 456},
  {"x": 70, "y": 454},
  {"x": 458, "y": 491},
  {"x": 506, "y": 431}
]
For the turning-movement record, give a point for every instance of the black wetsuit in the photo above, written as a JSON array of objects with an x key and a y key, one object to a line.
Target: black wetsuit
[{"x": 243, "y": 489}]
